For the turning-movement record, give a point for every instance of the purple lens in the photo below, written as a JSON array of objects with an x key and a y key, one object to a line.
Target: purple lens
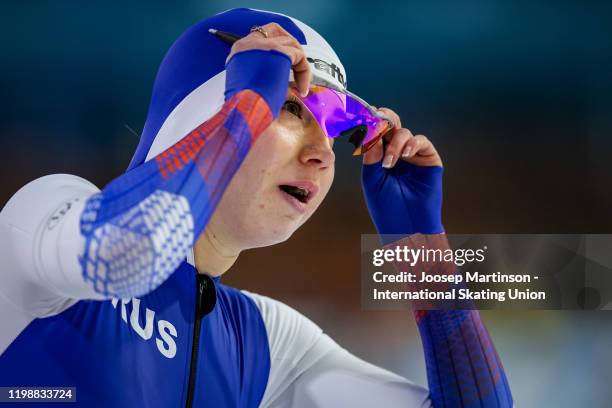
[{"x": 339, "y": 113}]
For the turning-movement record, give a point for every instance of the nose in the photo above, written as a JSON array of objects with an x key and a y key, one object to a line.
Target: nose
[{"x": 317, "y": 151}]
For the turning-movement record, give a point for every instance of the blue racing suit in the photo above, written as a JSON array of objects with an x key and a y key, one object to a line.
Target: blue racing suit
[{"x": 99, "y": 290}]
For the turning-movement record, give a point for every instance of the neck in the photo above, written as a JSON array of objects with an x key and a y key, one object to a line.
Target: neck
[{"x": 212, "y": 256}]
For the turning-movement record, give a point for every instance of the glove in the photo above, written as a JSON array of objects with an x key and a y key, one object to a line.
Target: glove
[
  {"x": 253, "y": 69},
  {"x": 405, "y": 199}
]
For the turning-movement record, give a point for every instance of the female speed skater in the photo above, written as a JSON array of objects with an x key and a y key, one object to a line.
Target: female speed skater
[{"x": 117, "y": 292}]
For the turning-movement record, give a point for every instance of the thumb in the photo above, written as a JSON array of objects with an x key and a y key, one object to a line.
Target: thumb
[{"x": 375, "y": 154}]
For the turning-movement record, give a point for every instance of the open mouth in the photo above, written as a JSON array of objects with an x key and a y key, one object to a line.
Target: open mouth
[{"x": 299, "y": 193}]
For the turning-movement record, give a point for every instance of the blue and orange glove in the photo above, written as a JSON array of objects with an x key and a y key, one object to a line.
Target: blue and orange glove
[{"x": 402, "y": 183}]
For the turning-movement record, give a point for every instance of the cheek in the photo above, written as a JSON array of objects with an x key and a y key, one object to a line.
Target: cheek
[
  {"x": 248, "y": 197},
  {"x": 264, "y": 158},
  {"x": 267, "y": 158}
]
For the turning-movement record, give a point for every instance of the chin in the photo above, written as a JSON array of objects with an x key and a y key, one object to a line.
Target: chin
[{"x": 265, "y": 237}]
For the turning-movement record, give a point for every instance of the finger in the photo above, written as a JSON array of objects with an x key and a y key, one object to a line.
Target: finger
[
  {"x": 300, "y": 66},
  {"x": 257, "y": 34},
  {"x": 256, "y": 40},
  {"x": 287, "y": 41},
  {"x": 268, "y": 43},
  {"x": 394, "y": 117},
  {"x": 301, "y": 74},
  {"x": 408, "y": 148},
  {"x": 395, "y": 147},
  {"x": 293, "y": 53},
  {"x": 276, "y": 30},
  {"x": 420, "y": 145},
  {"x": 375, "y": 154},
  {"x": 279, "y": 34},
  {"x": 248, "y": 43},
  {"x": 423, "y": 152}
]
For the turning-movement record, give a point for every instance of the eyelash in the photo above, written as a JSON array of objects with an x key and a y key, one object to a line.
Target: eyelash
[{"x": 293, "y": 100}]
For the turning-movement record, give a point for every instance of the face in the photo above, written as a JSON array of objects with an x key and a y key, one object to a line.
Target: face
[{"x": 282, "y": 181}]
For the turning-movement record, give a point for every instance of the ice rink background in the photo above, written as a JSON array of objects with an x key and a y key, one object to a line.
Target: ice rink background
[{"x": 516, "y": 98}]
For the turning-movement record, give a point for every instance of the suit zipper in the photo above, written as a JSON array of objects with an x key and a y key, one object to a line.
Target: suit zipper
[{"x": 204, "y": 303}]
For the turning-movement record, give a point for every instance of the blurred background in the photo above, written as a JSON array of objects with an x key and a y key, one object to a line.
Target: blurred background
[{"x": 516, "y": 97}]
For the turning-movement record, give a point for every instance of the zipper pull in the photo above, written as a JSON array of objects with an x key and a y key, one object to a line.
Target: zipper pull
[{"x": 207, "y": 295}]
